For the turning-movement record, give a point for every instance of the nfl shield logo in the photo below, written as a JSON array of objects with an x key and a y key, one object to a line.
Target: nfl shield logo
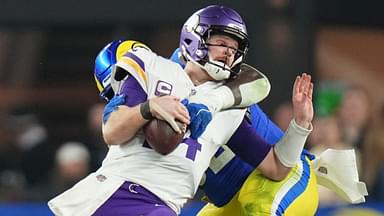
[{"x": 101, "y": 178}]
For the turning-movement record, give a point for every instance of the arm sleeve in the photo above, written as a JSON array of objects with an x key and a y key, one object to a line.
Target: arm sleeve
[
  {"x": 133, "y": 92},
  {"x": 264, "y": 126},
  {"x": 248, "y": 145}
]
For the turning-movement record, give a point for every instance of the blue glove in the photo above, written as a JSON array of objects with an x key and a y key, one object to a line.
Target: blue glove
[
  {"x": 112, "y": 106},
  {"x": 200, "y": 118}
]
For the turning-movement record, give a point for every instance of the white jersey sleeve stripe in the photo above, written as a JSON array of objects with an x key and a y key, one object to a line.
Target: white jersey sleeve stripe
[{"x": 132, "y": 63}]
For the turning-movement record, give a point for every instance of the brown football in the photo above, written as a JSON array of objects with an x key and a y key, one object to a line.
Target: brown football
[{"x": 161, "y": 137}]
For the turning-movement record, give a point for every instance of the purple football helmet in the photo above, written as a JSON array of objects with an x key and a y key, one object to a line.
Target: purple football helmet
[{"x": 200, "y": 26}]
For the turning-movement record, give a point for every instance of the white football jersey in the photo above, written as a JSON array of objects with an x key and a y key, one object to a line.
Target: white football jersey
[{"x": 175, "y": 177}]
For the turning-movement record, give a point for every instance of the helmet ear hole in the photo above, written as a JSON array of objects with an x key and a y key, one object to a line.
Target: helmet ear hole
[{"x": 120, "y": 74}]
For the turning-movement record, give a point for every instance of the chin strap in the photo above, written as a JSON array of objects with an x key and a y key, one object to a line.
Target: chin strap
[
  {"x": 220, "y": 71},
  {"x": 337, "y": 170},
  {"x": 217, "y": 70}
]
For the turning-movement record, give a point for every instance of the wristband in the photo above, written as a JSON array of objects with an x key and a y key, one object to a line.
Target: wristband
[
  {"x": 145, "y": 110},
  {"x": 290, "y": 146}
]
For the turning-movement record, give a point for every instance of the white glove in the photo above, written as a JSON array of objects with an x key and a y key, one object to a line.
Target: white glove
[{"x": 337, "y": 170}]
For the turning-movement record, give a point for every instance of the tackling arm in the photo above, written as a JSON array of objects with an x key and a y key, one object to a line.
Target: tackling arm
[
  {"x": 116, "y": 130},
  {"x": 243, "y": 90},
  {"x": 285, "y": 154},
  {"x": 253, "y": 149}
]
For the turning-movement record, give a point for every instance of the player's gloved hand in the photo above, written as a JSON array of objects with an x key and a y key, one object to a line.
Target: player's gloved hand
[
  {"x": 200, "y": 117},
  {"x": 112, "y": 106}
]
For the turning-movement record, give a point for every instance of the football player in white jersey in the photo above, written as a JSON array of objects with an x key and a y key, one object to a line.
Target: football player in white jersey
[{"x": 136, "y": 180}]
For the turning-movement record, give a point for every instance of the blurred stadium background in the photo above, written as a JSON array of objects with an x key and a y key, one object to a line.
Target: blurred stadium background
[{"x": 50, "y": 110}]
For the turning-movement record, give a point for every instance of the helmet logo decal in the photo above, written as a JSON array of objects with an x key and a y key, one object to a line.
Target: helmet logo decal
[
  {"x": 139, "y": 45},
  {"x": 107, "y": 80}
]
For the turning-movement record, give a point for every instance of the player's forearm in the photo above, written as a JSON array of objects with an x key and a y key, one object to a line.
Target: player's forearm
[
  {"x": 304, "y": 123},
  {"x": 248, "y": 88},
  {"x": 122, "y": 125},
  {"x": 289, "y": 148},
  {"x": 216, "y": 100}
]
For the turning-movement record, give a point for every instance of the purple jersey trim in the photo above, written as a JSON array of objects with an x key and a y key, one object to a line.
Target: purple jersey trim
[
  {"x": 133, "y": 199},
  {"x": 136, "y": 59},
  {"x": 134, "y": 93},
  {"x": 248, "y": 145}
]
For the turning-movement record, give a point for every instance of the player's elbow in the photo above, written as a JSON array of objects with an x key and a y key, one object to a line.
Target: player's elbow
[
  {"x": 108, "y": 136},
  {"x": 109, "y": 139},
  {"x": 278, "y": 174},
  {"x": 272, "y": 168}
]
